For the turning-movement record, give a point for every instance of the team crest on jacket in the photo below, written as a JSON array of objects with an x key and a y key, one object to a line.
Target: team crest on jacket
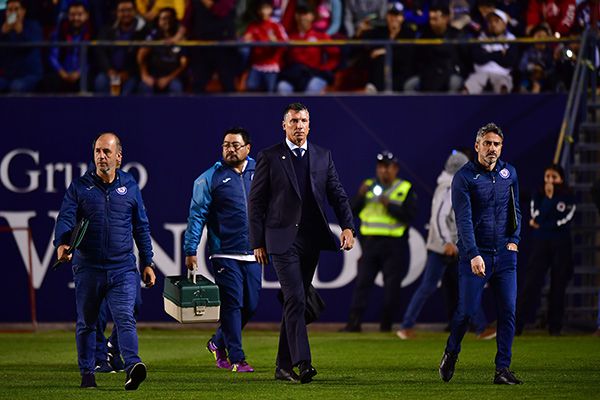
[
  {"x": 561, "y": 206},
  {"x": 504, "y": 173},
  {"x": 122, "y": 190}
]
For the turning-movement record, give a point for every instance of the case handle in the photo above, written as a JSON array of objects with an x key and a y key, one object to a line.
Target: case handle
[{"x": 192, "y": 274}]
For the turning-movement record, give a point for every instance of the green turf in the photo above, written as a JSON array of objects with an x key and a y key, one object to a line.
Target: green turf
[{"x": 351, "y": 366}]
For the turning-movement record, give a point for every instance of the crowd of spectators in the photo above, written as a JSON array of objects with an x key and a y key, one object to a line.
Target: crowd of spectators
[{"x": 487, "y": 67}]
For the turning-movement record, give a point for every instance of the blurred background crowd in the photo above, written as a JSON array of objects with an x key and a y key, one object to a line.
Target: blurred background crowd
[{"x": 229, "y": 64}]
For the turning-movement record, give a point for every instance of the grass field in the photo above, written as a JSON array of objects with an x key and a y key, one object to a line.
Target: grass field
[{"x": 351, "y": 366}]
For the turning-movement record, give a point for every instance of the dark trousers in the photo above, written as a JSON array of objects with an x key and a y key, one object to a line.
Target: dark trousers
[
  {"x": 103, "y": 317},
  {"x": 556, "y": 256},
  {"x": 386, "y": 254},
  {"x": 501, "y": 273},
  {"x": 295, "y": 270},
  {"x": 239, "y": 286},
  {"x": 92, "y": 286}
]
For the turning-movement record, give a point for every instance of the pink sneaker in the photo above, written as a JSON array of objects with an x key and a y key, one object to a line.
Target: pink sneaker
[
  {"x": 219, "y": 354},
  {"x": 242, "y": 366}
]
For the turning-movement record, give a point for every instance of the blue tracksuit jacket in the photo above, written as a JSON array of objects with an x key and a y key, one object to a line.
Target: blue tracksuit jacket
[
  {"x": 117, "y": 217},
  {"x": 481, "y": 204},
  {"x": 220, "y": 201}
]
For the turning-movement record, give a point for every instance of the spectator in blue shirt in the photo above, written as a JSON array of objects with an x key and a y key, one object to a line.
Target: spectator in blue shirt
[
  {"x": 20, "y": 68},
  {"x": 66, "y": 62}
]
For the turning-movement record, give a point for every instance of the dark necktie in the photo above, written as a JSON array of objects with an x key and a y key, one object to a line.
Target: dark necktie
[{"x": 299, "y": 152}]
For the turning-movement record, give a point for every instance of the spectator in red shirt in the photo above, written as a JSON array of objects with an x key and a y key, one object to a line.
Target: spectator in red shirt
[
  {"x": 559, "y": 14},
  {"x": 307, "y": 69},
  {"x": 264, "y": 60}
]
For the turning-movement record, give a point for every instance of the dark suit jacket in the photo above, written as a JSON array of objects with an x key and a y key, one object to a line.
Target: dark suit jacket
[{"x": 275, "y": 204}]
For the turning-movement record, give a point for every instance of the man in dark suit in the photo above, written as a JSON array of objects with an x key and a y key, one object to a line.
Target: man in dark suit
[{"x": 292, "y": 182}]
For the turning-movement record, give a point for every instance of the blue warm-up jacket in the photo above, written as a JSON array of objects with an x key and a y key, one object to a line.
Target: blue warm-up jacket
[
  {"x": 482, "y": 205},
  {"x": 117, "y": 217},
  {"x": 220, "y": 201}
]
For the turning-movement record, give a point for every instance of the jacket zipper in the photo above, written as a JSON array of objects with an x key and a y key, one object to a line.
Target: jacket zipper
[{"x": 245, "y": 205}]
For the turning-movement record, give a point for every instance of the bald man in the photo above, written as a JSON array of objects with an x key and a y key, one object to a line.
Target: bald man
[{"x": 104, "y": 266}]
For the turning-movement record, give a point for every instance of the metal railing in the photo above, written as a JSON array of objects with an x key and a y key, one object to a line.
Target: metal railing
[
  {"x": 576, "y": 102},
  {"x": 387, "y": 44}
]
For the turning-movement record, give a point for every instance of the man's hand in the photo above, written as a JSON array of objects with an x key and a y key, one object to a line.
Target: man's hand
[
  {"x": 534, "y": 224},
  {"x": 191, "y": 262},
  {"x": 377, "y": 52},
  {"x": 478, "y": 266},
  {"x": 261, "y": 256},
  {"x": 148, "y": 276},
  {"x": 512, "y": 247},
  {"x": 450, "y": 250},
  {"x": 163, "y": 82},
  {"x": 346, "y": 240},
  {"x": 148, "y": 79},
  {"x": 61, "y": 252}
]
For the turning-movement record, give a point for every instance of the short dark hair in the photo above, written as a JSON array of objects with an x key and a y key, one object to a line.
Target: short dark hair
[
  {"x": 487, "y": 128},
  {"x": 119, "y": 2},
  {"x": 294, "y": 107},
  {"x": 441, "y": 7},
  {"x": 21, "y": 3},
  {"x": 558, "y": 169},
  {"x": 77, "y": 4},
  {"x": 238, "y": 130},
  {"x": 119, "y": 146}
]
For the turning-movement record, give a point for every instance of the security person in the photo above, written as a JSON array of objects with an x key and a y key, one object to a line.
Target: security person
[{"x": 386, "y": 205}]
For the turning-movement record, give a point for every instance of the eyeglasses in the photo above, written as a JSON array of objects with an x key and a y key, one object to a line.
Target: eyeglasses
[
  {"x": 235, "y": 145},
  {"x": 385, "y": 156}
]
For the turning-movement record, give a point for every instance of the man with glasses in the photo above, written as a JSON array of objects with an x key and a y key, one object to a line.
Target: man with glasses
[
  {"x": 220, "y": 202},
  {"x": 386, "y": 205},
  {"x": 485, "y": 194}
]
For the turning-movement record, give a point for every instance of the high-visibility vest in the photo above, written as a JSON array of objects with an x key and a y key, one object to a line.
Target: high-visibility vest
[{"x": 375, "y": 218}]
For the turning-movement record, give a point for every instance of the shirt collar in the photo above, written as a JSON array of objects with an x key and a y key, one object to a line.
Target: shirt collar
[{"x": 292, "y": 146}]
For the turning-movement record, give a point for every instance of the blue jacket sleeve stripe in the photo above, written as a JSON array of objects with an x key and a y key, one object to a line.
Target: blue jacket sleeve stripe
[
  {"x": 199, "y": 207},
  {"x": 516, "y": 236}
]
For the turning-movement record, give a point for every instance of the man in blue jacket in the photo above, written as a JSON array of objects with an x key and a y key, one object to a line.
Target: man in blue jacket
[
  {"x": 104, "y": 264},
  {"x": 220, "y": 202},
  {"x": 485, "y": 195}
]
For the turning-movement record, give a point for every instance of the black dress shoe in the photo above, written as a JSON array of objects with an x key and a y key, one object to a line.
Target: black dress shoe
[
  {"x": 283, "y": 375},
  {"x": 504, "y": 376},
  {"x": 307, "y": 372},
  {"x": 447, "y": 366}
]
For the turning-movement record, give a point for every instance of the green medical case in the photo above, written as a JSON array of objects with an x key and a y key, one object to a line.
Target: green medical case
[{"x": 191, "y": 299}]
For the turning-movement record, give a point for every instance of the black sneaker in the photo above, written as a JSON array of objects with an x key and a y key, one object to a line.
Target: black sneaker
[
  {"x": 104, "y": 367},
  {"x": 447, "y": 366},
  {"x": 114, "y": 358},
  {"x": 88, "y": 381},
  {"x": 505, "y": 376},
  {"x": 135, "y": 376}
]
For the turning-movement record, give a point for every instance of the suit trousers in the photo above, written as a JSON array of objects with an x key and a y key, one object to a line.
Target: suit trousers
[
  {"x": 501, "y": 273},
  {"x": 295, "y": 270}
]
